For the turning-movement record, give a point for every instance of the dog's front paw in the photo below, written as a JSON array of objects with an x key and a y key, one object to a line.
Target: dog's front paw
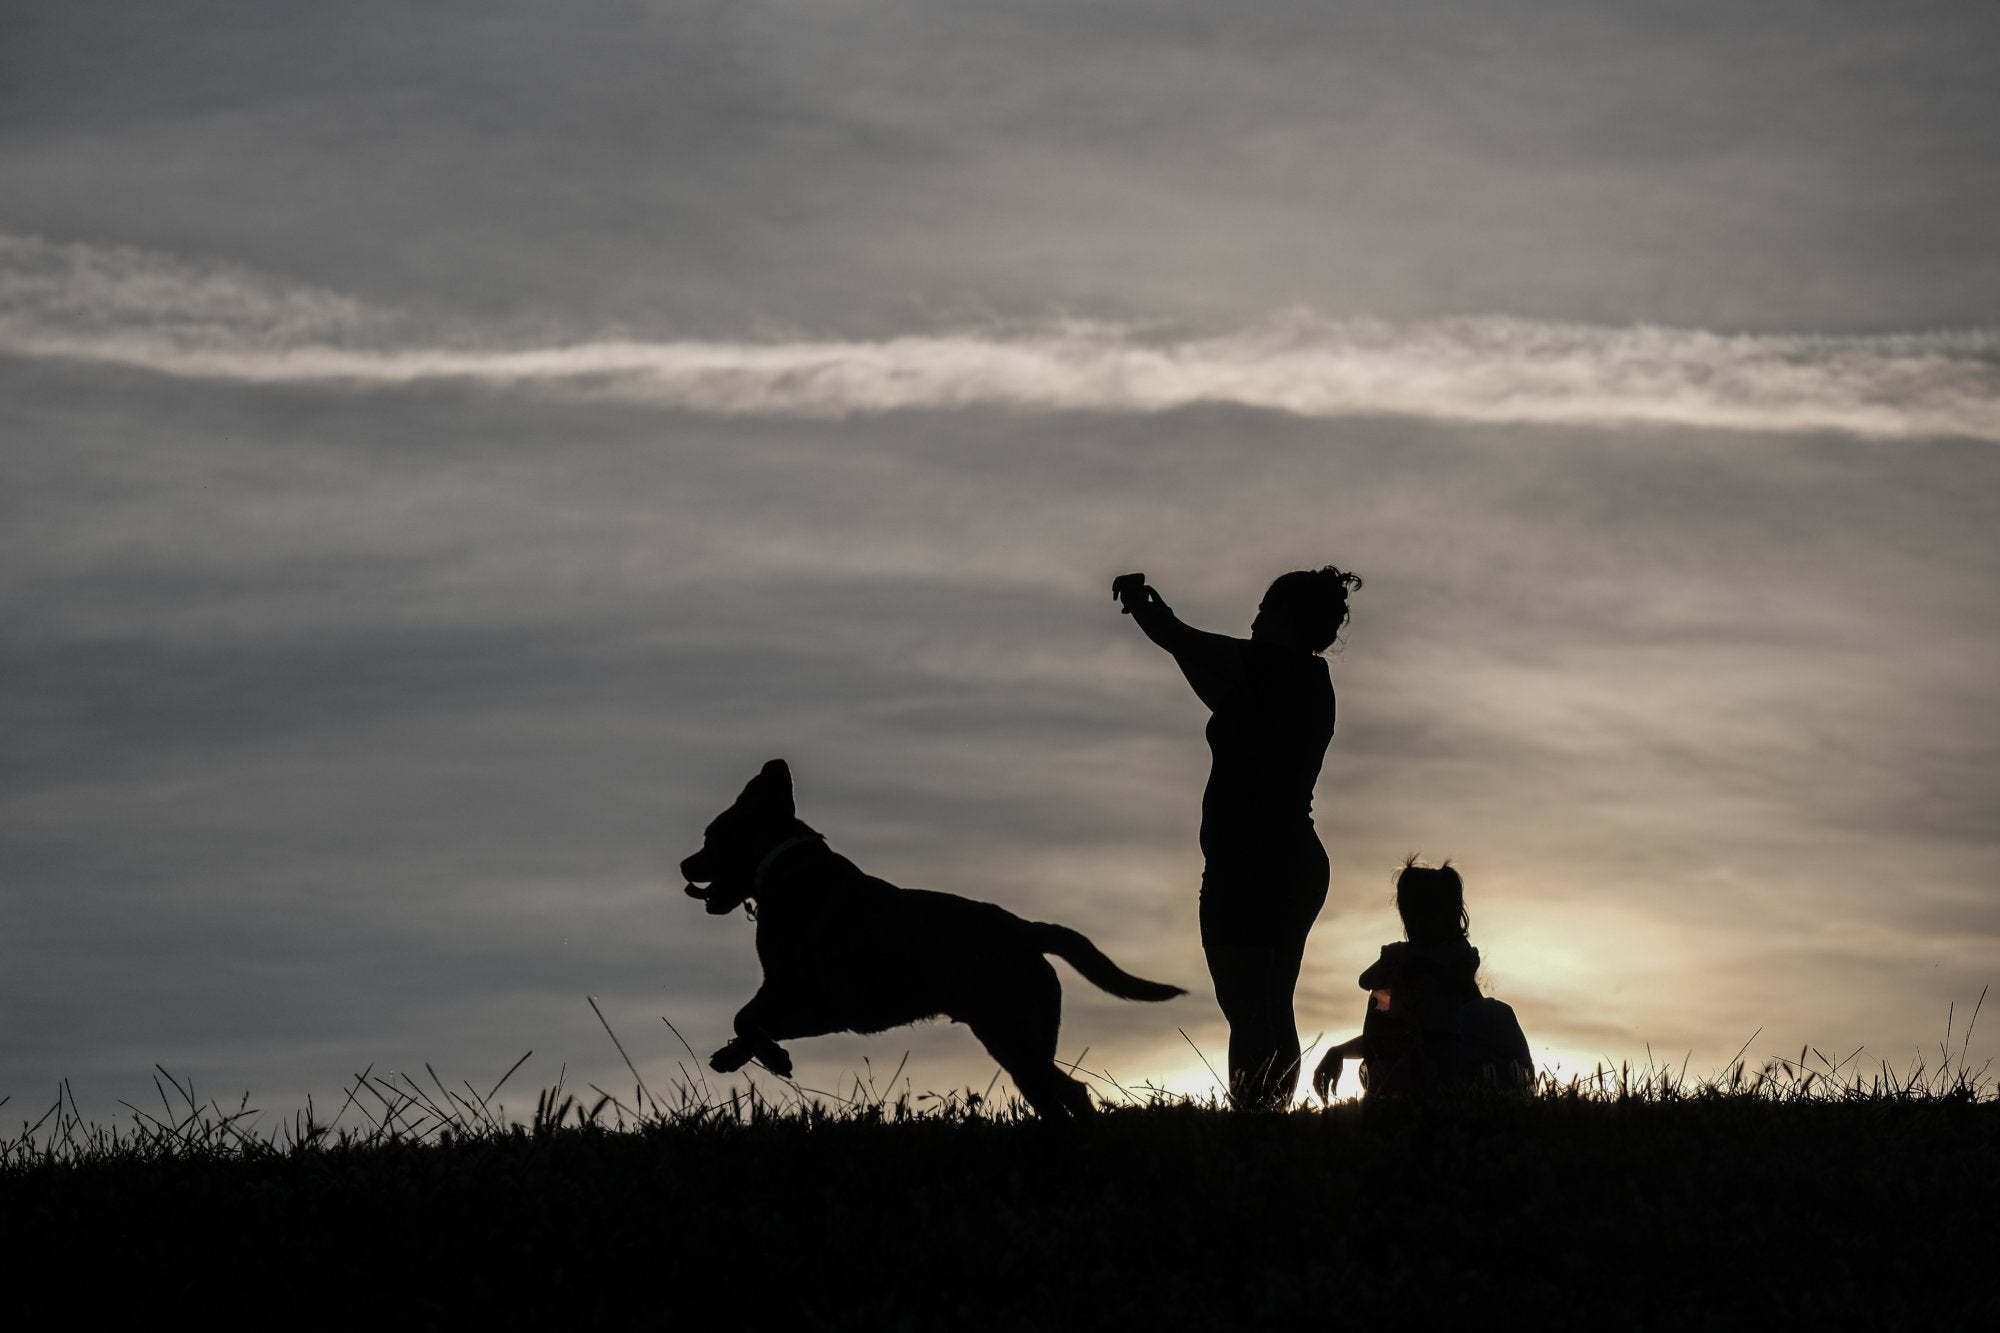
[
  {"x": 775, "y": 1058},
  {"x": 731, "y": 1057}
]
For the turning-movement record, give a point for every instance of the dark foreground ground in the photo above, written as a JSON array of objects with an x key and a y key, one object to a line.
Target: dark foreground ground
[{"x": 1567, "y": 1212}]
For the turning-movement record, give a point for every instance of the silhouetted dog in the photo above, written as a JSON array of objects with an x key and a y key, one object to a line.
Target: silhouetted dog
[{"x": 846, "y": 952}]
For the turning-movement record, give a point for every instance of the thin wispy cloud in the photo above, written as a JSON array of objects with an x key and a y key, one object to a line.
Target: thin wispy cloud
[
  {"x": 52, "y": 295},
  {"x": 157, "y": 314}
]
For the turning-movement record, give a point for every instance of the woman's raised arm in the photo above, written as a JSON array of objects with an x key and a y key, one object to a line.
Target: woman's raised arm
[{"x": 1212, "y": 663}]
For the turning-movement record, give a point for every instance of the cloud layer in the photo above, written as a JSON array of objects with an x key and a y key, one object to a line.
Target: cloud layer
[
  {"x": 468, "y": 439},
  {"x": 147, "y": 312},
  {"x": 369, "y": 727}
]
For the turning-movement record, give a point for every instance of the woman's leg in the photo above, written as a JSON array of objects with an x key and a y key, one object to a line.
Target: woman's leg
[
  {"x": 1242, "y": 976},
  {"x": 1308, "y": 885},
  {"x": 1255, "y": 982},
  {"x": 1285, "y": 964},
  {"x": 1253, "y": 986}
]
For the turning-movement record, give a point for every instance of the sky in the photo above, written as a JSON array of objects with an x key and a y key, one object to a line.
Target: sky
[{"x": 445, "y": 452}]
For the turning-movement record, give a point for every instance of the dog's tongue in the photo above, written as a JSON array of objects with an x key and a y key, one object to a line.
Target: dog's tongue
[{"x": 717, "y": 906}]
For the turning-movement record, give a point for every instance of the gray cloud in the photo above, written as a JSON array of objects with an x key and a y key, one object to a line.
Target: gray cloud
[{"x": 718, "y": 169}]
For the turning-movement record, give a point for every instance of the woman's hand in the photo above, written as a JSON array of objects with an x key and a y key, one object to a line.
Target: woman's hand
[{"x": 1132, "y": 591}]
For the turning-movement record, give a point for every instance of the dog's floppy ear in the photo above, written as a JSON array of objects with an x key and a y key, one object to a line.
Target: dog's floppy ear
[{"x": 773, "y": 786}]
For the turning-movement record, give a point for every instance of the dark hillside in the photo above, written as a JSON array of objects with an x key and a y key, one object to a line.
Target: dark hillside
[{"x": 1566, "y": 1210}]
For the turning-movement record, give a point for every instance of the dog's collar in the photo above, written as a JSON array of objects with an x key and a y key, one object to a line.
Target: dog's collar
[{"x": 771, "y": 857}]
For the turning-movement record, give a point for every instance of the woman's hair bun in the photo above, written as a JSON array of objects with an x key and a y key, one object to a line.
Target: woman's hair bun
[
  {"x": 1345, "y": 581},
  {"x": 1318, "y": 597}
]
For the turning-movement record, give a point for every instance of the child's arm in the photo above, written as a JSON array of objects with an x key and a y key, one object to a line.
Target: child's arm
[
  {"x": 1326, "y": 1079},
  {"x": 1384, "y": 972}
]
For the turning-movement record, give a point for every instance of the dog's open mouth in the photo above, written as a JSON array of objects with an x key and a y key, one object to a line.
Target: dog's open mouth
[
  {"x": 715, "y": 881},
  {"x": 719, "y": 899}
]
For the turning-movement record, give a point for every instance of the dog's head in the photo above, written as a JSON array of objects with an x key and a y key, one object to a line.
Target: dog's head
[{"x": 724, "y": 872}]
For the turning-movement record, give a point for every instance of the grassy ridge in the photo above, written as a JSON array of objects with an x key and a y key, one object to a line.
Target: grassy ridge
[{"x": 1646, "y": 1203}]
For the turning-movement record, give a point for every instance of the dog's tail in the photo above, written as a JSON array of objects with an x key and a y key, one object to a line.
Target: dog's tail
[{"x": 1088, "y": 959}]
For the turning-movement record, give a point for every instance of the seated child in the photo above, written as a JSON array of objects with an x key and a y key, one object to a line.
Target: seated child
[{"x": 1427, "y": 1026}]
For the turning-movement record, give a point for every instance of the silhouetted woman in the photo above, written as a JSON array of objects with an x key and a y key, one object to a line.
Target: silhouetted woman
[{"x": 1271, "y": 703}]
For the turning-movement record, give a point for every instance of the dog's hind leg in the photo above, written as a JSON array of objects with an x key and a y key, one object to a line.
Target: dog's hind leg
[
  {"x": 1023, "y": 1039},
  {"x": 1030, "y": 1062}
]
